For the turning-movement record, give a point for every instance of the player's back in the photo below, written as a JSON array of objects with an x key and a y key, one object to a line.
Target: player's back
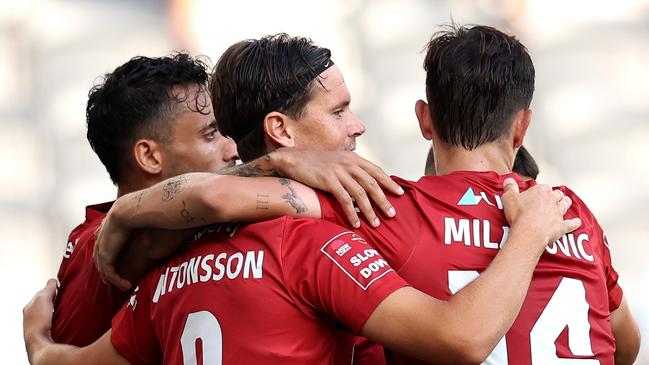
[
  {"x": 84, "y": 305},
  {"x": 449, "y": 228},
  {"x": 252, "y": 294}
]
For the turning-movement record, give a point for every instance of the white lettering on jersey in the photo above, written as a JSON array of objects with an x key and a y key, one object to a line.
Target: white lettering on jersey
[
  {"x": 568, "y": 246},
  {"x": 69, "y": 248},
  {"x": 204, "y": 268},
  {"x": 478, "y": 233},
  {"x": 361, "y": 263}
]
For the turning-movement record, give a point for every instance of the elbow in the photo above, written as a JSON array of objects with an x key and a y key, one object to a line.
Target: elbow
[
  {"x": 468, "y": 347},
  {"x": 474, "y": 352},
  {"x": 627, "y": 351}
]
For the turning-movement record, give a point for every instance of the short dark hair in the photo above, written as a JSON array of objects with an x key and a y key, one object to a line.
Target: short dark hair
[
  {"x": 524, "y": 164},
  {"x": 429, "y": 169},
  {"x": 476, "y": 79},
  {"x": 257, "y": 76},
  {"x": 135, "y": 101}
]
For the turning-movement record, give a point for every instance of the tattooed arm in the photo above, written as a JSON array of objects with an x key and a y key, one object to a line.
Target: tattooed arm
[
  {"x": 194, "y": 200},
  {"x": 189, "y": 201},
  {"x": 347, "y": 176}
]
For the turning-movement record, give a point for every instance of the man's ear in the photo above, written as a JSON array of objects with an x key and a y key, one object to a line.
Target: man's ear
[
  {"x": 148, "y": 155},
  {"x": 425, "y": 121},
  {"x": 521, "y": 123},
  {"x": 278, "y": 130}
]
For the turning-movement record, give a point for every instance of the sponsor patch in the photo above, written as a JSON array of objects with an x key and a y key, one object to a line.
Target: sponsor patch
[{"x": 358, "y": 260}]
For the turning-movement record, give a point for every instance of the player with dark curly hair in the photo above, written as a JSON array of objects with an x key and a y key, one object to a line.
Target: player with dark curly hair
[{"x": 148, "y": 120}]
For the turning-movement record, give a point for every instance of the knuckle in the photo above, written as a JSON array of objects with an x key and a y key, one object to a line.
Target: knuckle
[{"x": 346, "y": 199}]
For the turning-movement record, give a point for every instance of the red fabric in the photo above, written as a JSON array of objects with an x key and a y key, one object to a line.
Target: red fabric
[
  {"x": 285, "y": 291},
  {"x": 442, "y": 230},
  {"x": 84, "y": 305},
  {"x": 367, "y": 352}
]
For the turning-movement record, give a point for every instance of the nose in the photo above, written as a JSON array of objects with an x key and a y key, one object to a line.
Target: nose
[
  {"x": 230, "y": 151},
  {"x": 356, "y": 127}
]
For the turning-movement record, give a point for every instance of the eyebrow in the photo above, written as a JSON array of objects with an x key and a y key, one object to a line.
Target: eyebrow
[
  {"x": 212, "y": 125},
  {"x": 342, "y": 104}
]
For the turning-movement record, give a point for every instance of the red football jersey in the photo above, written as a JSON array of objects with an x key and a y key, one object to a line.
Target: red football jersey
[
  {"x": 449, "y": 228},
  {"x": 84, "y": 305},
  {"x": 285, "y": 291}
]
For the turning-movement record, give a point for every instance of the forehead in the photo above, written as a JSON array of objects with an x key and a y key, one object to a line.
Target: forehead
[{"x": 334, "y": 91}]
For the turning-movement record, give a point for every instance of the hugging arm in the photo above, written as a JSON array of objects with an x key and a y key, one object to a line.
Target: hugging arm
[
  {"x": 466, "y": 328},
  {"x": 41, "y": 350}
]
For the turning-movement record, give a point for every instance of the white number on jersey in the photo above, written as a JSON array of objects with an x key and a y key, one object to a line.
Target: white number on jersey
[
  {"x": 566, "y": 307},
  {"x": 205, "y": 326}
]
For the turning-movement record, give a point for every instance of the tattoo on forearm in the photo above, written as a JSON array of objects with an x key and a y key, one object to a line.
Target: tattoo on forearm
[
  {"x": 250, "y": 170},
  {"x": 292, "y": 198},
  {"x": 185, "y": 214},
  {"x": 262, "y": 201},
  {"x": 173, "y": 187},
  {"x": 138, "y": 198}
]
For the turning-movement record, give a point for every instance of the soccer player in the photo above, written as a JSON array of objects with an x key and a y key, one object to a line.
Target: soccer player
[
  {"x": 149, "y": 120},
  {"x": 277, "y": 292},
  {"x": 321, "y": 273},
  {"x": 450, "y": 227}
]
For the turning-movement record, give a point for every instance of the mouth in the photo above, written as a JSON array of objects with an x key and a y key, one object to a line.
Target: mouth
[{"x": 351, "y": 146}]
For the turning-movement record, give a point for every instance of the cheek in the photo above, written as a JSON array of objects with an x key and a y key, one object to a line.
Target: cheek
[{"x": 329, "y": 136}]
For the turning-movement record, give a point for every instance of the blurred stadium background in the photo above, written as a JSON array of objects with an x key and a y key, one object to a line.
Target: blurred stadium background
[{"x": 590, "y": 128}]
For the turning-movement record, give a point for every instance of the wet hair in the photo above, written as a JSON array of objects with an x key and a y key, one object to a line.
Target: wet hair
[
  {"x": 257, "y": 76},
  {"x": 524, "y": 164},
  {"x": 477, "y": 78},
  {"x": 138, "y": 100}
]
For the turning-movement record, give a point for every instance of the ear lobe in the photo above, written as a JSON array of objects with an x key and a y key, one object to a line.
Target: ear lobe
[
  {"x": 425, "y": 121},
  {"x": 148, "y": 156},
  {"x": 521, "y": 123},
  {"x": 278, "y": 130}
]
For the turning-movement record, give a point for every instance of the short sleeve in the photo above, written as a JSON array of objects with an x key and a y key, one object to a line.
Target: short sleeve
[
  {"x": 133, "y": 335},
  {"x": 614, "y": 290},
  {"x": 332, "y": 271},
  {"x": 395, "y": 237}
]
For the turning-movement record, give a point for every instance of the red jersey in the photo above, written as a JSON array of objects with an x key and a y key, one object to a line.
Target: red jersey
[
  {"x": 84, "y": 305},
  {"x": 449, "y": 228},
  {"x": 285, "y": 291}
]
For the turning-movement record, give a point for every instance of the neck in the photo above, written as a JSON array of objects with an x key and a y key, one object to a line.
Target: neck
[
  {"x": 130, "y": 185},
  {"x": 494, "y": 156}
]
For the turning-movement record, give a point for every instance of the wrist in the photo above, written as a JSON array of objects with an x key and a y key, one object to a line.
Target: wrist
[
  {"x": 281, "y": 160},
  {"x": 529, "y": 237}
]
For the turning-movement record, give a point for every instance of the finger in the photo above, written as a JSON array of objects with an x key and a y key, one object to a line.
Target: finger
[
  {"x": 374, "y": 191},
  {"x": 558, "y": 195},
  {"x": 383, "y": 179},
  {"x": 46, "y": 293},
  {"x": 565, "y": 204},
  {"x": 110, "y": 275},
  {"x": 50, "y": 287},
  {"x": 571, "y": 224},
  {"x": 510, "y": 186},
  {"x": 360, "y": 196},
  {"x": 346, "y": 203}
]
